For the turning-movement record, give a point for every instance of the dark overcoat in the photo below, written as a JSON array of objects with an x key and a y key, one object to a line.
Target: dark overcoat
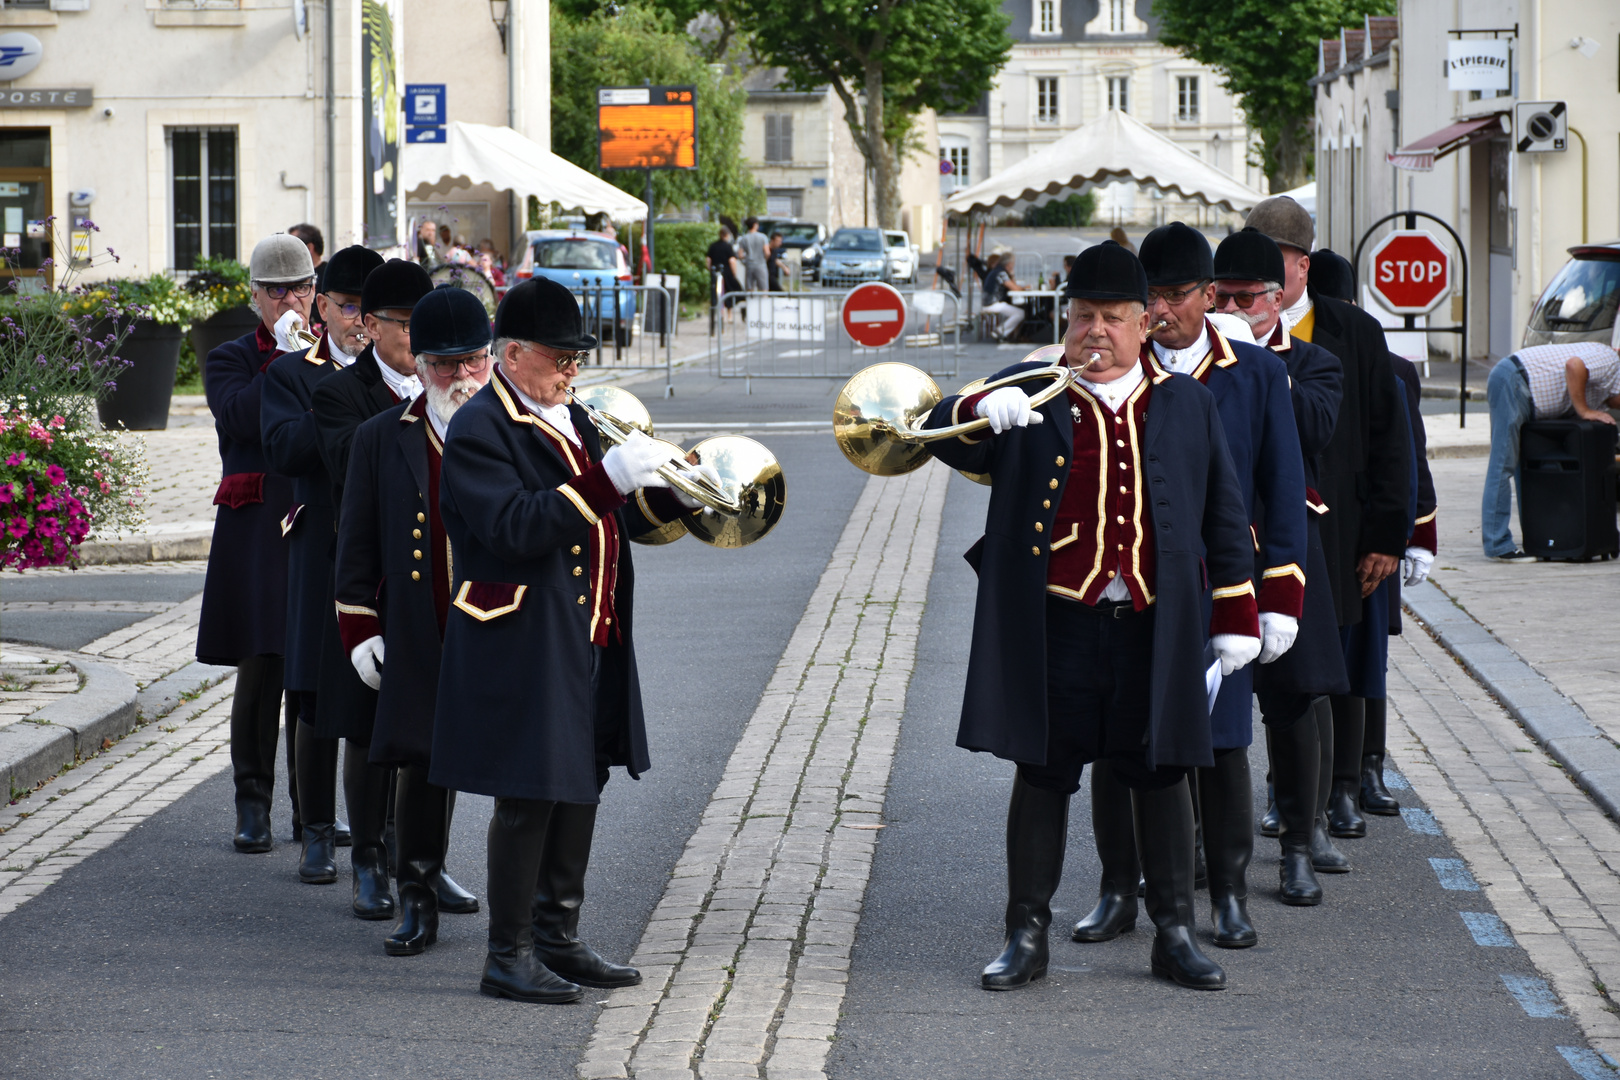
[
  {"x": 290, "y": 445},
  {"x": 1250, "y": 385},
  {"x": 1365, "y": 469},
  {"x": 515, "y": 713},
  {"x": 1201, "y": 530},
  {"x": 385, "y": 491},
  {"x": 345, "y": 707},
  {"x": 1315, "y": 663},
  {"x": 244, "y": 608},
  {"x": 1425, "y": 504}
]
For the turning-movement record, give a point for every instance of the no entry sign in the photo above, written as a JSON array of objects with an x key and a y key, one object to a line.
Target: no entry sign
[
  {"x": 1411, "y": 272},
  {"x": 874, "y": 315}
]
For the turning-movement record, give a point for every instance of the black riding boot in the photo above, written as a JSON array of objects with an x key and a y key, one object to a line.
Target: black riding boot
[
  {"x": 558, "y": 897},
  {"x": 1375, "y": 797},
  {"x": 1115, "y": 913},
  {"x": 1270, "y": 824},
  {"x": 453, "y": 899},
  {"x": 1295, "y": 763},
  {"x": 1349, "y": 723},
  {"x": 255, "y": 730},
  {"x": 365, "y": 789},
  {"x": 517, "y": 840},
  {"x": 419, "y": 830},
  {"x": 1037, "y": 834},
  {"x": 1164, "y": 843},
  {"x": 317, "y": 762},
  {"x": 1325, "y": 857},
  {"x": 1227, "y": 797}
]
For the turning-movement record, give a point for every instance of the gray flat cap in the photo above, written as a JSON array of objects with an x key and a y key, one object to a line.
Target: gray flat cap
[
  {"x": 1285, "y": 221},
  {"x": 280, "y": 259}
]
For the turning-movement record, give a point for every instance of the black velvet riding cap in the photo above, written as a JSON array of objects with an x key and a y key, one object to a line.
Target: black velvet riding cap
[
  {"x": 394, "y": 284},
  {"x": 347, "y": 270},
  {"x": 1176, "y": 254},
  {"x": 448, "y": 322},
  {"x": 544, "y": 312},
  {"x": 1107, "y": 271},
  {"x": 1249, "y": 255},
  {"x": 1330, "y": 275}
]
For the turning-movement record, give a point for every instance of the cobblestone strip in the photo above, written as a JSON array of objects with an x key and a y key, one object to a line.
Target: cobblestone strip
[
  {"x": 153, "y": 647},
  {"x": 26, "y": 686},
  {"x": 1543, "y": 853},
  {"x": 88, "y": 807},
  {"x": 746, "y": 956}
]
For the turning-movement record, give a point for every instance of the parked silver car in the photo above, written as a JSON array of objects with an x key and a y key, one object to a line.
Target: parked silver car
[
  {"x": 1579, "y": 303},
  {"x": 853, "y": 256},
  {"x": 902, "y": 255}
]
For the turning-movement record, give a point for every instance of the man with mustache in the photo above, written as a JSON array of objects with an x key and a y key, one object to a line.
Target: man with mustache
[{"x": 393, "y": 588}]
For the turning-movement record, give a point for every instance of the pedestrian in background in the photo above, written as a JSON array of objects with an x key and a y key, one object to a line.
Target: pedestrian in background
[
  {"x": 998, "y": 279},
  {"x": 721, "y": 259},
  {"x": 773, "y": 263},
  {"x": 752, "y": 248}
]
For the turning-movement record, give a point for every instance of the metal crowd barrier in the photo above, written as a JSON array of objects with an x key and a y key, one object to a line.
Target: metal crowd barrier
[
  {"x": 801, "y": 336},
  {"x": 638, "y": 341}
]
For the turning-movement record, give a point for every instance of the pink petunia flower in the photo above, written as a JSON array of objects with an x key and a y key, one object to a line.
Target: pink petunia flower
[
  {"x": 5, "y": 493},
  {"x": 19, "y": 458},
  {"x": 17, "y": 527},
  {"x": 56, "y": 474},
  {"x": 48, "y": 526}
]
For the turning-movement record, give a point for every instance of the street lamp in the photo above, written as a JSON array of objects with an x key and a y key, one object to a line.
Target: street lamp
[{"x": 497, "y": 15}]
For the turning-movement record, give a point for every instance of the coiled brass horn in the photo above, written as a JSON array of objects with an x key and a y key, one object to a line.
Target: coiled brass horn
[{"x": 744, "y": 506}]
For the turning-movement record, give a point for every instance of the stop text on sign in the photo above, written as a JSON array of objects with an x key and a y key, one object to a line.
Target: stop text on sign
[
  {"x": 1416, "y": 272},
  {"x": 1410, "y": 272}
]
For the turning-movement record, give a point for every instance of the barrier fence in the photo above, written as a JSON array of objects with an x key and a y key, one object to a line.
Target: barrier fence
[
  {"x": 801, "y": 336},
  {"x": 633, "y": 325}
]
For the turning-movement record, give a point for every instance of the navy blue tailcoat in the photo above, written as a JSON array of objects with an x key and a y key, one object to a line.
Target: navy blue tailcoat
[{"x": 1200, "y": 527}]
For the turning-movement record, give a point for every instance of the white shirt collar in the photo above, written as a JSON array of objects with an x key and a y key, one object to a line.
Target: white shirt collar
[
  {"x": 405, "y": 387},
  {"x": 1297, "y": 310},
  {"x": 557, "y": 416},
  {"x": 1113, "y": 394},
  {"x": 440, "y": 427},
  {"x": 1183, "y": 361},
  {"x": 343, "y": 359}
]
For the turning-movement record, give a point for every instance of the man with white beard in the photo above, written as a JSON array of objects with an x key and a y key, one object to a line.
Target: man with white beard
[{"x": 393, "y": 587}]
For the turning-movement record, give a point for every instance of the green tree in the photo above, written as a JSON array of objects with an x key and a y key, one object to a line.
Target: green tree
[
  {"x": 887, "y": 60},
  {"x": 625, "y": 47},
  {"x": 1265, "y": 51}
]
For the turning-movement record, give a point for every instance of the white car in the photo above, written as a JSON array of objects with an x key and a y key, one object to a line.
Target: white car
[{"x": 901, "y": 255}]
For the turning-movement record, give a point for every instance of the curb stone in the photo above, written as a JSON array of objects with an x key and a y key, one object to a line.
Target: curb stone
[
  {"x": 145, "y": 548},
  {"x": 1553, "y": 721},
  {"x": 69, "y": 728}
]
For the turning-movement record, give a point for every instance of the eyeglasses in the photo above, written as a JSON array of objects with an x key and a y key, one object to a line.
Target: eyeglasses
[
  {"x": 1244, "y": 300},
  {"x": 566, "y": 360},
  {"x": 445, "y": 366},
  {"x": 403, "y": 324},
  {"x": 1174, "y": 297},
  {"x": 349, "y": 311},
  {"x": 279, "y": 292}
]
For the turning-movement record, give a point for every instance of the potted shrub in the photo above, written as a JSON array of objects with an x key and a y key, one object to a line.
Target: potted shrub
[
  {"x": 149, "y": 315},
  {"x": 221, "y": 286}
]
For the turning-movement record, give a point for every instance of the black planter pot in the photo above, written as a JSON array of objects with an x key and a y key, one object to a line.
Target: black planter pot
[
  {"x": 144, "y": 389},
  {"x": 222, "y": 326}
]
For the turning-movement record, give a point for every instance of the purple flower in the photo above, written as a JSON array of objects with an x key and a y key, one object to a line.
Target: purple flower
[
  {"x": 17, "y": 526},
  {"x": 48, "y": 526},
  {"x": 19, "y": 458},
  {"x": 5, "y": 493},
  {"x": 56, "y": 474}
]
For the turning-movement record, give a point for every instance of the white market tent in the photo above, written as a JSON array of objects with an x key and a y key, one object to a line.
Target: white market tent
[
  {"x": 483, "y": 154},
  {"x": 1305, "y": 195},
  {"x": 1115, "y": 146}
]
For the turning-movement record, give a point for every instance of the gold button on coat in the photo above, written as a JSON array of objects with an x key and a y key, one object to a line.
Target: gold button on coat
[
  {"x": 416, "y": 534},
  {"x": 581, "y": 600},
  {"x": 417, "y": 553},
  {"x": 416, "y": 575},
  {"x": 1035, "y": 550},
  {"x": 1046, "y": 504},
  {"x": 1060, "y": 461},
  {"x": 1039, "y": 527},
  {"x": 578, "y": 570},
  {"x": 574, "y": 550},
  {"x": 421, "y": 517},
  {"x": 1052, "y": 484}
]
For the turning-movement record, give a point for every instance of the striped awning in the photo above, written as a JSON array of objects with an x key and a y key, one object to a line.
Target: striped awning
[{"x": 1421, "y": 155}]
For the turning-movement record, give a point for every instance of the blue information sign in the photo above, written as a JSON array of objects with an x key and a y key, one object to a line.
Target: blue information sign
[
  {"x": 424, "y": 104},
  {"x": 424, "y": 135}
]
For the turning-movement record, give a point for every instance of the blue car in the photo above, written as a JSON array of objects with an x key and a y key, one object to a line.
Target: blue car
[
  {"x": 593, "y": 267},
  {"x": 852, "y": 257}
]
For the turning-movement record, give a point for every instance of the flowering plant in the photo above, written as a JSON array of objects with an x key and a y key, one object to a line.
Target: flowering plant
[
  {"x": 219, "y": 285},
  {"x": 159, "y": 298},
  {"x": 57, "y": 481}
]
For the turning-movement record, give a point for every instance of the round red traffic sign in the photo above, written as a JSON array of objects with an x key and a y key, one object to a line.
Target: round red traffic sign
[
  {"x": 874, "y": 314},
  {"x": 1411, "y": 272}
]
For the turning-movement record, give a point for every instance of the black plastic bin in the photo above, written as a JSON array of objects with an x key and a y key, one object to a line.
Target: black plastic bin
[
  {"x": 143, "y": 391},
  {"x": 1567, "y": 489}
]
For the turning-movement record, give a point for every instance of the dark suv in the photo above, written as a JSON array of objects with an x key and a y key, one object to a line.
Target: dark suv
[
  {"x": 805, "y": 237},
  {"x": 1579, "y": 304}
]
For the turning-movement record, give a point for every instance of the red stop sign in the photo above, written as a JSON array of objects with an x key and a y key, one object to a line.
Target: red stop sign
[
  {"x": 874, "y": 314},
  {"x": 1411, "y": 271}
]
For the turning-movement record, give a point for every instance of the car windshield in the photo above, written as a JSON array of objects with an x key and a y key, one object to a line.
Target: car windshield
[
  {"x": 804, "y": 234},
  {"x": 855, "y": 240},
  {"x": 574, "y": 255},
  {"x": 1581, "y": 298},
  {"x": 897, "y": 239}
]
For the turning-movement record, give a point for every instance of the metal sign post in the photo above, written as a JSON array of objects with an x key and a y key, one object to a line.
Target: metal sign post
[{"x": 1461, "y": 329}]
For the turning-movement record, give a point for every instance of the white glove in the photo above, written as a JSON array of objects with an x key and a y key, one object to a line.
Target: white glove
[
  {"x": 1008, "y": 408},
  {"x": 1234, "y": 650},
  {"x": 1415, "y": 565},
  {"x": 696, "y": 473},
  {"x": 284, "y": 328},
  {"x": 635, "y": 462},
  {"x": 367, "y": 659},
  {"x": 1277, "y": 634}
]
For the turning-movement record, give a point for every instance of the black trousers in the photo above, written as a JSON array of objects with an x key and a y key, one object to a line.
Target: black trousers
[{"x": 1099, "y": 679}]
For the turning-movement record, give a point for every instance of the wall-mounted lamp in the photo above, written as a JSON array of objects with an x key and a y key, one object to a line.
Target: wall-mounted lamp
[{"x": 497, "y": 15}]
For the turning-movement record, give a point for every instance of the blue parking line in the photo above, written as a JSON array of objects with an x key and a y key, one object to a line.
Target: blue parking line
[
  {"x": 1420, "y": 821},
  {"x": 1588, "y": 1064},
  {"x": 1487, "y": 930},
  {"x": 1535, "y": 997},
  {"x": 1454, "y": 875},
  {"x": 1395, "y": 781}
]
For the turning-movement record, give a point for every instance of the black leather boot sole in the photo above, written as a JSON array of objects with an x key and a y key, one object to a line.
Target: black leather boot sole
[
  {"x": 1297, "y": 884},
  {"x": 522, "y": 978},
  {"x": 1344, "y": 820},
  {"x": 1022, "y": 961},
  {"x": 252, "y": 829},
  {"x": 317, "y": 865}
]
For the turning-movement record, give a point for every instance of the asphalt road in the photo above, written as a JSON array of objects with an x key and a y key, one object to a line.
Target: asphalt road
[
  {"x": 65, "y": 624},
  {"x": 1383, "y": 980}
]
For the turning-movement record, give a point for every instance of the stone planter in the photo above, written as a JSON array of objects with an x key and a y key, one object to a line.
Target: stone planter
[{"x": 222, "y": 326}]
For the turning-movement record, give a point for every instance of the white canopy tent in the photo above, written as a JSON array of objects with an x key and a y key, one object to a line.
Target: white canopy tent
[
  {"x": 483, "y": 154},
  {"x": 1112, "y": 147}
]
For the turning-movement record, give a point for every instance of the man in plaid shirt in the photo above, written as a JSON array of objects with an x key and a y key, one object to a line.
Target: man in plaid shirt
[{"x": 1544, "y": 382}]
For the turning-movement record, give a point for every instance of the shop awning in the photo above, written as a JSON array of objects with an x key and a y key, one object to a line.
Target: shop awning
[
  {"x": 1420, "y": 156},
  {"x": 510, "y": 161},
  {"x": 1115, "y": 146}
]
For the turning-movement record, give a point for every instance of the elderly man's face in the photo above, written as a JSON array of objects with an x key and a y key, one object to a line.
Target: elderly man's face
[
  {"x": 451, "y": 381},
  {"x": 390, "y": 332},
  {"x": 1182, "y": 307},
  {"x": 1296, "y": 270},
  {"x": 1112, "y": 330},
  {"x": 534, "y": 370},
  {"x": 341, "y": 313},
  {"x": 1265, "y": 305},
  {"x": 297, "y": 296}
]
